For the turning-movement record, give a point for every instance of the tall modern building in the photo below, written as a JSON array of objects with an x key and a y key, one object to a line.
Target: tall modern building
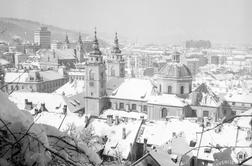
[{"x": 42, "y": 38}]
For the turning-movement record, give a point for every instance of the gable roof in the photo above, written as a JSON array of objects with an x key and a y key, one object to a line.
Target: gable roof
[
  {"x": 204, "y": 96},
  {"x": 135, "y": 89},
  {"x": 71, "y": 88},
  {"x": 167, "y": 99},
  {"x": 161, "y": 158},
  {"x": 115, "y": 143}
]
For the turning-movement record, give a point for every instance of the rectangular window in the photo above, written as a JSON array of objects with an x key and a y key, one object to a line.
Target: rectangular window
[
  {"x": 145, "y": 108},
  {"x": 133, "y": 106},
  {"x": 205, "y": 113},
  {"x": 233, "y": 103},
  {"x": 121, "y": 106},
  {"x": 91, "y": 83}
]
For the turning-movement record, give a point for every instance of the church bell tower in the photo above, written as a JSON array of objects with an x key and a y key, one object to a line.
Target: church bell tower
[{"x": 95, "y": 81}]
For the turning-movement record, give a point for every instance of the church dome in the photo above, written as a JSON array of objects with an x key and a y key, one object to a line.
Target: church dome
[{"x": 175, "y": 70}]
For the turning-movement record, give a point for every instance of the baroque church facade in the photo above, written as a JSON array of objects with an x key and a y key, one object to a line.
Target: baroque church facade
[{"x": 164, "y": 95}]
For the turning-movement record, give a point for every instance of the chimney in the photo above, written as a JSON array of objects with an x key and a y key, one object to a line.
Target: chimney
[
  {"x": 142, "y": 118},
  {"x": 109, "y": 119},
  {"x": 192, "y": 143},
  {"x": 28, "y": 105},
  {"x": 116, "y": 120},
  {"x": 86, "y": 119},
  {"x": 145, "y": 146},
  {"x": 65, "y": 109},
  {"x": 123, "y": 133},
  {"x": 126, "y": 119},
  {"x": 42, "y": 107},
  {"x": 169, "y": 150}
]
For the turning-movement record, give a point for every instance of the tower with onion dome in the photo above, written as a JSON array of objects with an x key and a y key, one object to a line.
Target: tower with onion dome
[
  {"x": 2, "y": 74},
  {"x": 95, "y": 80},
  {"x": 115, "y": 66},
  {"x": 80, "y": 49}
]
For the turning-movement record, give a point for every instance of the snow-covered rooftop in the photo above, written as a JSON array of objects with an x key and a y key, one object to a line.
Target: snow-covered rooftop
[
  {"x": 53, "y": 102},
  {"x": 71, "y": 88},
  {"x": 160, "y": 132},
  {"x": 167, "y": 99},
  {"x": 122, "y": 114},
  {"x": 204, "y": 96},
  {"x": 56, "y": 120},
  {"x": 226, "y": 138},
  {"x": 134, "y": 89},
  {"x": 116, "y": 144},
  {"x": 21, "y": 77},
  {"x": 244, "y": 121}
]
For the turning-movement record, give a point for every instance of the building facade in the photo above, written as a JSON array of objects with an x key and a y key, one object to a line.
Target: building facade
[
  {"x": 115, "y": 67},
  {"x": 35, "y": 81},
  {"x": 42, "y": 38},
  {"x": 95, "y": 90}
]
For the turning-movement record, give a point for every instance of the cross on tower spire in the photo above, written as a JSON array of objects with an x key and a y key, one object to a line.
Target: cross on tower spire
[
  {"x": 116, "y": 48},
  {"x": 96, "y": 50}
]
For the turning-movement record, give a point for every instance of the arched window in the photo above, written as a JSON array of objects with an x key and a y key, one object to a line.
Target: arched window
[
  {"x": 112, "y": 70},
  {"x": 182, "y": 90},
  {"x": 102, "y": 74},
  {"x": 91, "y": 75},
  {"x": 164, "y": 113},
  {"x": 169, "y": 89}
]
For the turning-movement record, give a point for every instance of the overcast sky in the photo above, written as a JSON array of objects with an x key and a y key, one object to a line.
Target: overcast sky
[{"x": 143, "y": 20}]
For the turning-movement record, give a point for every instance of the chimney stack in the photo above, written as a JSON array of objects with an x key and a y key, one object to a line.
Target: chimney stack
[
  {"x": 123, "y": 133},
  {"x": 28, "y": 105},
  {"x": 109, "y": 119},
  {"x": 142, "y": 118},
  {"x": 116, "y": 120},
  {"x": 86, "y": 119},
  {"x": 42, "y": 107},
  {"x": 169, "y": 150},
  {"x": 65, "y": 109},
  {"x": 145, "y": 146}
]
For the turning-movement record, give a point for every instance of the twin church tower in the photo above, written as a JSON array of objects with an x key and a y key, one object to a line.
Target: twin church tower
[{"x": 96, "y": 78}]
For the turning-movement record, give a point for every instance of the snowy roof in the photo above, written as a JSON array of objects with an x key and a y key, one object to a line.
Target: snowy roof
[
  {"x": 239, "y": 97},
  {"x": 56, "y": 119},
  {"x": 71, "y": 88},
  {"x": 211, "y": 138},
  {"x": 21, "y": 77},
  {"x": 167, "y": 99},
  {"x": 135, "y": 89},
  {"x": 60, "y": 53},
  {"x": 16, "y": 77},
  {"x": 204, "y": 96},
  {"x": 122, "y": 114},
  {"x": 113, "y": 84},
  {"x": 166, "y": 130},
  {"x": 244, "y": 121},
  {"x": 116, "y": 144},
  {"x": 161, "y": 157},
  {"x": 4, "y": 62},
  {"x": 53, "y": 102}
]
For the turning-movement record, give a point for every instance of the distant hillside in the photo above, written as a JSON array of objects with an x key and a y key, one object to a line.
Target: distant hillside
[{"x": 11, "y": 27}]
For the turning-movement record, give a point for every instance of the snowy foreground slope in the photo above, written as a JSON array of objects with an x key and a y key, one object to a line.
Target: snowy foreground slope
[{"x": 24, "y": 142}]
